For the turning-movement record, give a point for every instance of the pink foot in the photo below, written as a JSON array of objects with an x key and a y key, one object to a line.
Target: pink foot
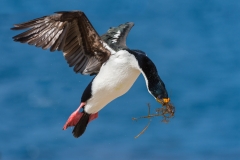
[{"x": 74, "y": 117}]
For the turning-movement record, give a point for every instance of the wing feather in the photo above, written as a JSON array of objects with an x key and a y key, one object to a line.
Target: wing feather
[
  {"x": 61, "y": 37},
  {"x": 116, "y": 36},
  {"x": 70, "y": 32},
  {"x": 76, "y": 59},
  {"x": 80, "y": 66}
]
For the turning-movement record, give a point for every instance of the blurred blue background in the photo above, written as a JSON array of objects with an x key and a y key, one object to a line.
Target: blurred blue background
[{"x": 195, "y": 46}]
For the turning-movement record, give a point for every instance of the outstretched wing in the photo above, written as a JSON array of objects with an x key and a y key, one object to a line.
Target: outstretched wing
[
  {"x": 70, "y": 32},
  {"x": 116, "y": 36}
]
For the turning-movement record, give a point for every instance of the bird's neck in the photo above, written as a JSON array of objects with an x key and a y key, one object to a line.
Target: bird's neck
[{"x": 155, "y": 85}]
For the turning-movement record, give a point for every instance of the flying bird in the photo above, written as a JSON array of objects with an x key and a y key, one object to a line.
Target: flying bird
[{"x": 115, "y": 66}]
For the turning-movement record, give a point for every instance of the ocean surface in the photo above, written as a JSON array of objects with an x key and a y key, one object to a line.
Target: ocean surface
[{"x": 194, "y": 44}]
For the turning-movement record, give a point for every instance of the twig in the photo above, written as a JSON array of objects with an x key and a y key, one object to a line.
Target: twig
[
  {"x": 167, "y": 111},
  {"x": 144, "y": 129}
]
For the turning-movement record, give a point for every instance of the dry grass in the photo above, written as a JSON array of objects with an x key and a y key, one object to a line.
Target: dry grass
[{"x": 166, "y": 111}]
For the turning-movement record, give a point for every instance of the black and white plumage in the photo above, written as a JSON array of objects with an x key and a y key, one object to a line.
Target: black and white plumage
[{"x": 116, "y": 66}]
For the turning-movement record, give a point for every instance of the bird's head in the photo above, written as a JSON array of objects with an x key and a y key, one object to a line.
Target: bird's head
[{"x": 159, "y": 91}]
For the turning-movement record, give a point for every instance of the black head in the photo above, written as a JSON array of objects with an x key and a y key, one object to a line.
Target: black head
[{"x": 157, "y": 88}]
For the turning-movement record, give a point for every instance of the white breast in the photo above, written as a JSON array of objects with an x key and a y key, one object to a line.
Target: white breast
[{"x": 114, "y": 79}]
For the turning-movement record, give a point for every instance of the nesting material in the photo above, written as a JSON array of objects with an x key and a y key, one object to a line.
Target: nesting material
[{"x": 166, "y": 111}]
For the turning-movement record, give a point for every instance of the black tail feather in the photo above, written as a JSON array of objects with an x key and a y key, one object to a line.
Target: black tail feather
[{"x": 81, "y": 126}]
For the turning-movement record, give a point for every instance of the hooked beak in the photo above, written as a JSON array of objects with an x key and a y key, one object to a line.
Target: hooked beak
[{"x": 163, "y": 101}]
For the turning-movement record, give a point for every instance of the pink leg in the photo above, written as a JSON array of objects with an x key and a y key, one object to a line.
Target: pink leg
[{"x": 74, "y": 117}]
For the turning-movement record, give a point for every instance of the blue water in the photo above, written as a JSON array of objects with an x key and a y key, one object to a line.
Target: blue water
[{"x": 195, "y": 46}]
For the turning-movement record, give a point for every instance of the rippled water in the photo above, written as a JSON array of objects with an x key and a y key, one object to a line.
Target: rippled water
[{"x": 195, "y": 46}]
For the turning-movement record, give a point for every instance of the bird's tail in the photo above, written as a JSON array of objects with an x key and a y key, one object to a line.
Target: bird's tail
[{"x": 81, "y": 126}]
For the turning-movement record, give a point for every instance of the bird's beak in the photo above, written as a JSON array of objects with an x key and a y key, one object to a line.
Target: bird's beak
[{"x": 163, "y": 101}]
